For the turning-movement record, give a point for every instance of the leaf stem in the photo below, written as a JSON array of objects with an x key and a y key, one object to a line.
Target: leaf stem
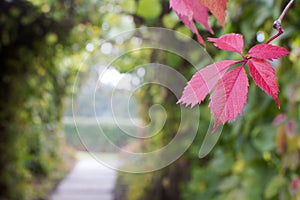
[
  {"x": 280, "y": 31},
  {"x": 277, "y": 23}
]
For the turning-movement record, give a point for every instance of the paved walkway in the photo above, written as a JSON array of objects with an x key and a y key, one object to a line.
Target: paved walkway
[{"x": 89, "y": 180}]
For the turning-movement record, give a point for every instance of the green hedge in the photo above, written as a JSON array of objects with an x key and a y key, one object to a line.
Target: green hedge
[
  {"x": 253, "y": 159},
  {"x": 33, "y": 87},
  {"x": 95, "y": 135}
]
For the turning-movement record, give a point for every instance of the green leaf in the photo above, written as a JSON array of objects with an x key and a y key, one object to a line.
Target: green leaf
[
  {"x": 129, "y": 6},
  {"x": 170, "y": 20},
  {"x": 183, "y": 33},
  {"x": 229, "y": 183},
  {"x": 274, "y": 186},
  {"x": 149, "y": 9},
  {"x": 222, "y": 159},
  {"x": 264, "y": 138},
  {"x": 174, "y": 60}
]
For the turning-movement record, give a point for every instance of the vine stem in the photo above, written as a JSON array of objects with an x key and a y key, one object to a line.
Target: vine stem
[
  {"x": 280, "y": 31},
  {"x": 277, "y": 23}
]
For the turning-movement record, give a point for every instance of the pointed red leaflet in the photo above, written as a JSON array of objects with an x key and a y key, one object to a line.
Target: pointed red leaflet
[
  {"x": 182, "y": 7},
  {"x": 203, "y": 82},
  {"x": 201, "y": 14},
  {"x": 229, "y": 42},
  {"x": 267, "y": 51},
  {"x": 217, "y": 8},
  {"x": 264, "y": 76},
  {"x": 229, "y": 96},
  {"x": 189, "y": 10},
  {"x": 191, "y": 25}
]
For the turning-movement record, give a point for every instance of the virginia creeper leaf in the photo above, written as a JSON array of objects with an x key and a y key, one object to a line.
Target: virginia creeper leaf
[
  {"x": 191, "y": 25},
  {"x": 267, "y": 51},
  {"x": 264, "y": 76},
  {"x": 229, "y": 42},
  {"x": 189, "y": 10},
  {"x": 201, "y": 14},
  {"x": 203, "y": 82},
  {"x": 182, "y": 7},
  {"x": 229, "y": 96},
  {"x": 217, "y": 8},
  {"x": 229, "y": 89}
]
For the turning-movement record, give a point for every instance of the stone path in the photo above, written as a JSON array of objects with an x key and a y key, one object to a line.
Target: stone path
[{"x": 89, "y": 180}]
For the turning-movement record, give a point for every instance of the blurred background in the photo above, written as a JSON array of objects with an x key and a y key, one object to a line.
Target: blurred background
[{"x": 46, "y": 46}]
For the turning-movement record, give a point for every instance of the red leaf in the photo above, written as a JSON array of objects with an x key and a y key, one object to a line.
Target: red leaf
[
  {"x": 264, "y": 76},
  {"x": 267, "y": 51},
  {"x": 203, "y": 81},
  {"x": 291, "y": 128},
  {"x": 279, "y": 119},
  {"x": 191, "y": 25},
  {"x": 217, "y": 8},
  {"x": 294, "y": 185},
  {"x": 229, "y": 96},
  {"x": 230, "y": 42},
  {"x": 182, "y": 7},
  {"x": 189, "y": 10}
]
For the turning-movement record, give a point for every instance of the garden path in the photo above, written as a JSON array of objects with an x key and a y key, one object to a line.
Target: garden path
[{"x": 89, "y": 180}]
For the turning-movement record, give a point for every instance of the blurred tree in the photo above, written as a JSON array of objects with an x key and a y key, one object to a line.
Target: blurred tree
[
  {"x": 42, "y": 45},
  {"x": 32, "y": 93}
]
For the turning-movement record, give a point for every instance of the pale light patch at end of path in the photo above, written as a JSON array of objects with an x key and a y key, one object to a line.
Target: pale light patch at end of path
[{"x": 88, "y": 180}]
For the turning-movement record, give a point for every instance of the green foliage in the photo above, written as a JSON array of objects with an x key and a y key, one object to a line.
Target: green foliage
[
  {"x": 144, "y": 11},
  {"x": 253, "y": 143},
  {"x": 253, "y": 159},
  {"x": 35, "y": 78}
]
